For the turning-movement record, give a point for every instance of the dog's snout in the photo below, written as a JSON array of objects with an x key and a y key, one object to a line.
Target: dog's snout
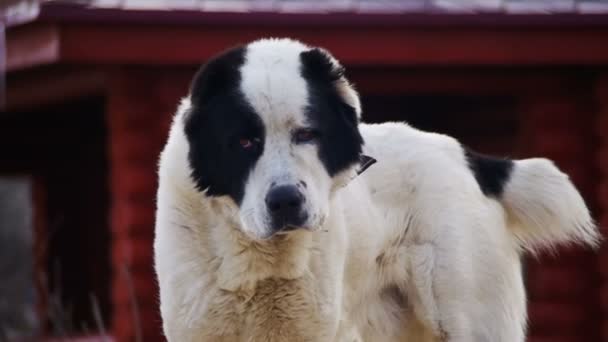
[
  {"x": 283, "y": 199},
  {"x": 285, "y": 206}
]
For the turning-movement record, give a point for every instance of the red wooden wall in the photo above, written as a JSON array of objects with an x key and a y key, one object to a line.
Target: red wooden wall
[
  {"x": 141, "y": 101},
  {"x": 563, "y": 288},
  {"x": 602, "y": 196}
]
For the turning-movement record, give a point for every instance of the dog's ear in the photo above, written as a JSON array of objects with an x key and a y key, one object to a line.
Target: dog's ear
[
  {"x": 217, "y": 75},
  {"x": 334, "y": 106},
  {"x": 324, "y": 68}
]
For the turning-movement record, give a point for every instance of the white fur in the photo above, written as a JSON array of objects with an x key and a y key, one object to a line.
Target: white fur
[{"x": 411, "y": 250}]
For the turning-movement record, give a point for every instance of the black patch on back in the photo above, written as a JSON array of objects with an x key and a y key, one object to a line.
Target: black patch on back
[
  {"x": 340, "y": 142},
  {"x": 219, "y": 117},
  {"x": 491, "y": 173}
]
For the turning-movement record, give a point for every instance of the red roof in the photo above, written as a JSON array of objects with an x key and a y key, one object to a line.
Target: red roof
[
  {"x": 390, "y": 6},
  {"x": 122, "y": 33},
  {"x": 314, "y": 12}
]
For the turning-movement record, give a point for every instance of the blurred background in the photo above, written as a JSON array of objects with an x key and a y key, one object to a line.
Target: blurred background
[{"x": 87, "y": 89}]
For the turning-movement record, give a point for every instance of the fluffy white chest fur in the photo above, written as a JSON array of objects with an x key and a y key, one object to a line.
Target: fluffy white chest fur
[{"x": 419, "y": 247}]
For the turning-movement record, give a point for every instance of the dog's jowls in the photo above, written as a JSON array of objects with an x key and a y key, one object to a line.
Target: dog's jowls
[{"x": 264, "y": 231}]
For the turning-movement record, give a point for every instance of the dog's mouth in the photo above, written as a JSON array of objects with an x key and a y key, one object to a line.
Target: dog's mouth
[{"x": 290, "y": 228}]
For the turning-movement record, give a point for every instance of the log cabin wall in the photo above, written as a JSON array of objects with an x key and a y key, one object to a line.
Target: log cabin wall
[
  {"x": 601, "y": 125},
  {"x": 140, "y": 104},
  {"x": 563, "y": 289}
]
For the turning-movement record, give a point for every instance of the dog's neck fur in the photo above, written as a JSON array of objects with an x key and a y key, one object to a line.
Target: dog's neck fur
[
  {"x": 238, "y": 261},
  {"x": 243, "y": 262}
]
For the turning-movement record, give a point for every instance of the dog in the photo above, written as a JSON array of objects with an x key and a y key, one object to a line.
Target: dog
[{"x": 274, "y": 223}]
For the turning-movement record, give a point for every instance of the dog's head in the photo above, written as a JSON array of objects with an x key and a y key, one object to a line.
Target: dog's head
[{"x": 273, "y": 129}]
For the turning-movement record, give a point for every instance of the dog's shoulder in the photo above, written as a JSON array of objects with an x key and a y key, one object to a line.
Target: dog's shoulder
[{"x": 411, "y": 161}]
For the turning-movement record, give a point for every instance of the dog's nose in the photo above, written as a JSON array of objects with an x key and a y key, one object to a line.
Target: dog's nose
[{"x": 285, "y": 206}]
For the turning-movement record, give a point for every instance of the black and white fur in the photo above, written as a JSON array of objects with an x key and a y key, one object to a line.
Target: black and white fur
[{"x": 264, "y": 231}]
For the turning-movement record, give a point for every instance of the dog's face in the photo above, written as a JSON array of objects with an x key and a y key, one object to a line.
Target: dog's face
[{"x": 272, "y": 128}]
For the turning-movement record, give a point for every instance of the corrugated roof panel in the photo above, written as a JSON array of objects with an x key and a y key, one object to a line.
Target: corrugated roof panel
[
  {"x": 364, "y": 6},
  {"x": 107, "y": 3},
  {"x": 539, "y": 6},
  {"x": 145, "y": 4},
  {"x": 391, "y": 6},
  {"x": 185, "y": 5},
  {"x": 295, "y": 6},
  {"x": 225, "y": 6},
  {"x": 15, "y": 12},
  {"x": 459, "y": 6},
  {"x": 593, "y": 6}
]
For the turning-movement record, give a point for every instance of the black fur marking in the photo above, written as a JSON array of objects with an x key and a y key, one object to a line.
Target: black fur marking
[
  {"x": 340, "y": 142},
  {"x": 491, "y": 173},
  {"x": 218, "y": 119}
]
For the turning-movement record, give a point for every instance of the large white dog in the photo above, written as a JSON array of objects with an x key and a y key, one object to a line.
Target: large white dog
[{"x": 266, "y": 231}]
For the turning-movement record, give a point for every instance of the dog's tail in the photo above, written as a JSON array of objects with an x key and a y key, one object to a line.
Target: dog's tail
[{"x": 544, "y": 207}]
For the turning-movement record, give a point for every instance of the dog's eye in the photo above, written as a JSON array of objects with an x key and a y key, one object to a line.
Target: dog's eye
[
  {"x": 247, "y": 143},
  {"x": 305, "y": 135}
]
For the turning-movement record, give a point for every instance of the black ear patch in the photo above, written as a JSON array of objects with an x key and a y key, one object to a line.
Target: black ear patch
[
  {"x": 492, "y": 174},
  {"x": 340, "y": 141},
  {"x": 319, "y": 66},
  {"x": 217, "y": 75}
]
